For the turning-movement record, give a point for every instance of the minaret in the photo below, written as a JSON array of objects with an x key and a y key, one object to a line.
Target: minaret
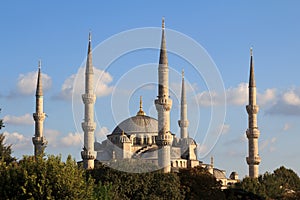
[
  {"x": 183, "y": 122},
  {"x": 39, "y": 140},
  {"x": 163, "y": 106},
  {"x": 88, "y": 154},
  {"x": 252, "y": 133}
]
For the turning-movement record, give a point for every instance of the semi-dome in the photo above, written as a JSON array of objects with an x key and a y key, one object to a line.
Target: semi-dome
[{"x": 139, "y": 124}]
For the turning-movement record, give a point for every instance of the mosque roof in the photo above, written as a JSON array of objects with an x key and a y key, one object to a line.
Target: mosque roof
[
  {"x": 219, "y": 174},
  {"x": 139, "y": 124}
]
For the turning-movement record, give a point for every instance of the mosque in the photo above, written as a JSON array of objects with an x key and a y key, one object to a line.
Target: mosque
[{"x": 146, "y": 138}]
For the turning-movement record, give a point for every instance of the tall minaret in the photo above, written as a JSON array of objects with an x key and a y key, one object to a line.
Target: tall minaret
[
  {"x": 183, "y": 122},
  {"x": 253, "y": 133},
  {"x": 39, "y": 140},
  {"x": 88, "y": 154},
  {"x": 163, "y": 106}
]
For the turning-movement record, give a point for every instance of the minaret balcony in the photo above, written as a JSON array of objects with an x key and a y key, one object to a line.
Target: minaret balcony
[
  {"x": 253, "y": 161},
  {"x": 88, "y": 155},
  {"x": 183, "y": 123},
  {"x": 163, "y": 103},
  {"x": 39, "y": 116},
  {"x": 88, "y": 98},
  {"x": 253, "y": 133},
  {"x": 39, "y": 140},
  {"x": 164, "y": 140},
  {"x": 252, "y": 109},
  {"x": 88, "y": 126}
]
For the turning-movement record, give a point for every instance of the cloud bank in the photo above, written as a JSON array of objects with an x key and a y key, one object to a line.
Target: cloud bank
[{"x": 75, "y": 84}]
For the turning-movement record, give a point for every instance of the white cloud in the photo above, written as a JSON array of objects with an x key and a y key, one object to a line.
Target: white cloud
[
  {"x": 287, "y": 127},
  {"x": 26, "y": 119},
  {"x": 75, "y": 84},
  {"x": 221, "y": 129},
  {"x": 51, "y": 137},
  {"x": 268, "y": 145},
  {"x": 291, "y": 98},
  {"x": 26, "y": 84},
  {"x": 102, "y": 133},
  {"x": 236, "y": 96},
  {"x": 72, "y": 139},
  {"x": 267, "y": 97},
  {"x": 18, "y": 140},
  {"x": 202, "y": 149},
  {"x": 288, "y": 103},
  {"x": 225, "y": 128}
]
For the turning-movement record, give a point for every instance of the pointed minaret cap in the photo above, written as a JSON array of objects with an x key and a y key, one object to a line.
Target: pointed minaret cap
[
  {"x": 183, "y": 95},
  {"x": 90, "y": 41},
  {"x": 252, "y": 77},
  {"x": 141, "y": 112},
  {"x": 39, "y": 86},
  {"x": 163, "y": 59},
  {"x": 89, "y": 63}
]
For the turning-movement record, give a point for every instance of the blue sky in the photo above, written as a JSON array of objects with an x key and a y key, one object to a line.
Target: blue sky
[{"x": 57, "y": 33}]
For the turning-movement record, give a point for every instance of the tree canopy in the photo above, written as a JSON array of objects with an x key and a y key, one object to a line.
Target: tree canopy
[
  {"x": 5, "y": 149},
  {"x": 281, "y": 184}
]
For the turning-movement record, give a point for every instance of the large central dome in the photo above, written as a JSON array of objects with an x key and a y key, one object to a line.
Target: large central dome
[{"x": 140, "y": 124}]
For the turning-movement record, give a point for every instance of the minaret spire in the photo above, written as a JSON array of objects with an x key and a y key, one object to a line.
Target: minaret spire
[
  {"x": 163, "y": 106},
  {"x": 88, "y": 154},
  {"x": 39, "y": 140},
  {"x": 253, "y": 160},
  {"x": 252, "y": 76},
  {"x": 183, "y": 122}
]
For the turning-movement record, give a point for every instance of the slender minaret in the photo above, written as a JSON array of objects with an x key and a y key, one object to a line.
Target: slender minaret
[
  {"x": 183, "y": 122},
  {"x": 39, "y": 140},
  {"x": 88, "y": 154},
  {"x": 253, "y": 133},
  {"x": 163, "y": 106}
]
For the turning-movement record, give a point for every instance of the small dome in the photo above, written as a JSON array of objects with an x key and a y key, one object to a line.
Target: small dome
[
  {"x": 140, "y": 124},
  {"x": 219, "y": 174}
]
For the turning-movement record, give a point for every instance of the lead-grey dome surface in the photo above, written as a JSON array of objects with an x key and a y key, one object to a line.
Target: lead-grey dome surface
[{"x": 140, "y": 124}]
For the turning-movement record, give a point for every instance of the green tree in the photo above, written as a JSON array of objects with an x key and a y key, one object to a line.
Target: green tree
[
  {"x": 5, "y": 150},
  {"x": 44, "y": 178},
  {"x": 281, "y": 184},
  {"x": 198, "y": 183},
  {"x": 152, "y": 185}
]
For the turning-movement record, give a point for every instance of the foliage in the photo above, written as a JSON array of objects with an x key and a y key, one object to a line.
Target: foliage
[
  {"x": 5, "y": 150},
  {"x": 39, "y": 178},
  {"x": 198, "y": 183},
  {"x": 1, "y": 122},
  {"x": 281, "y": 184},
  {"x": 153, "y": 185}
]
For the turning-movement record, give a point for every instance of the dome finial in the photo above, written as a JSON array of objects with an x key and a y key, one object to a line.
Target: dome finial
[
  {"x": 141, "y": 112},
  {"x": 163, "y": 23}
]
